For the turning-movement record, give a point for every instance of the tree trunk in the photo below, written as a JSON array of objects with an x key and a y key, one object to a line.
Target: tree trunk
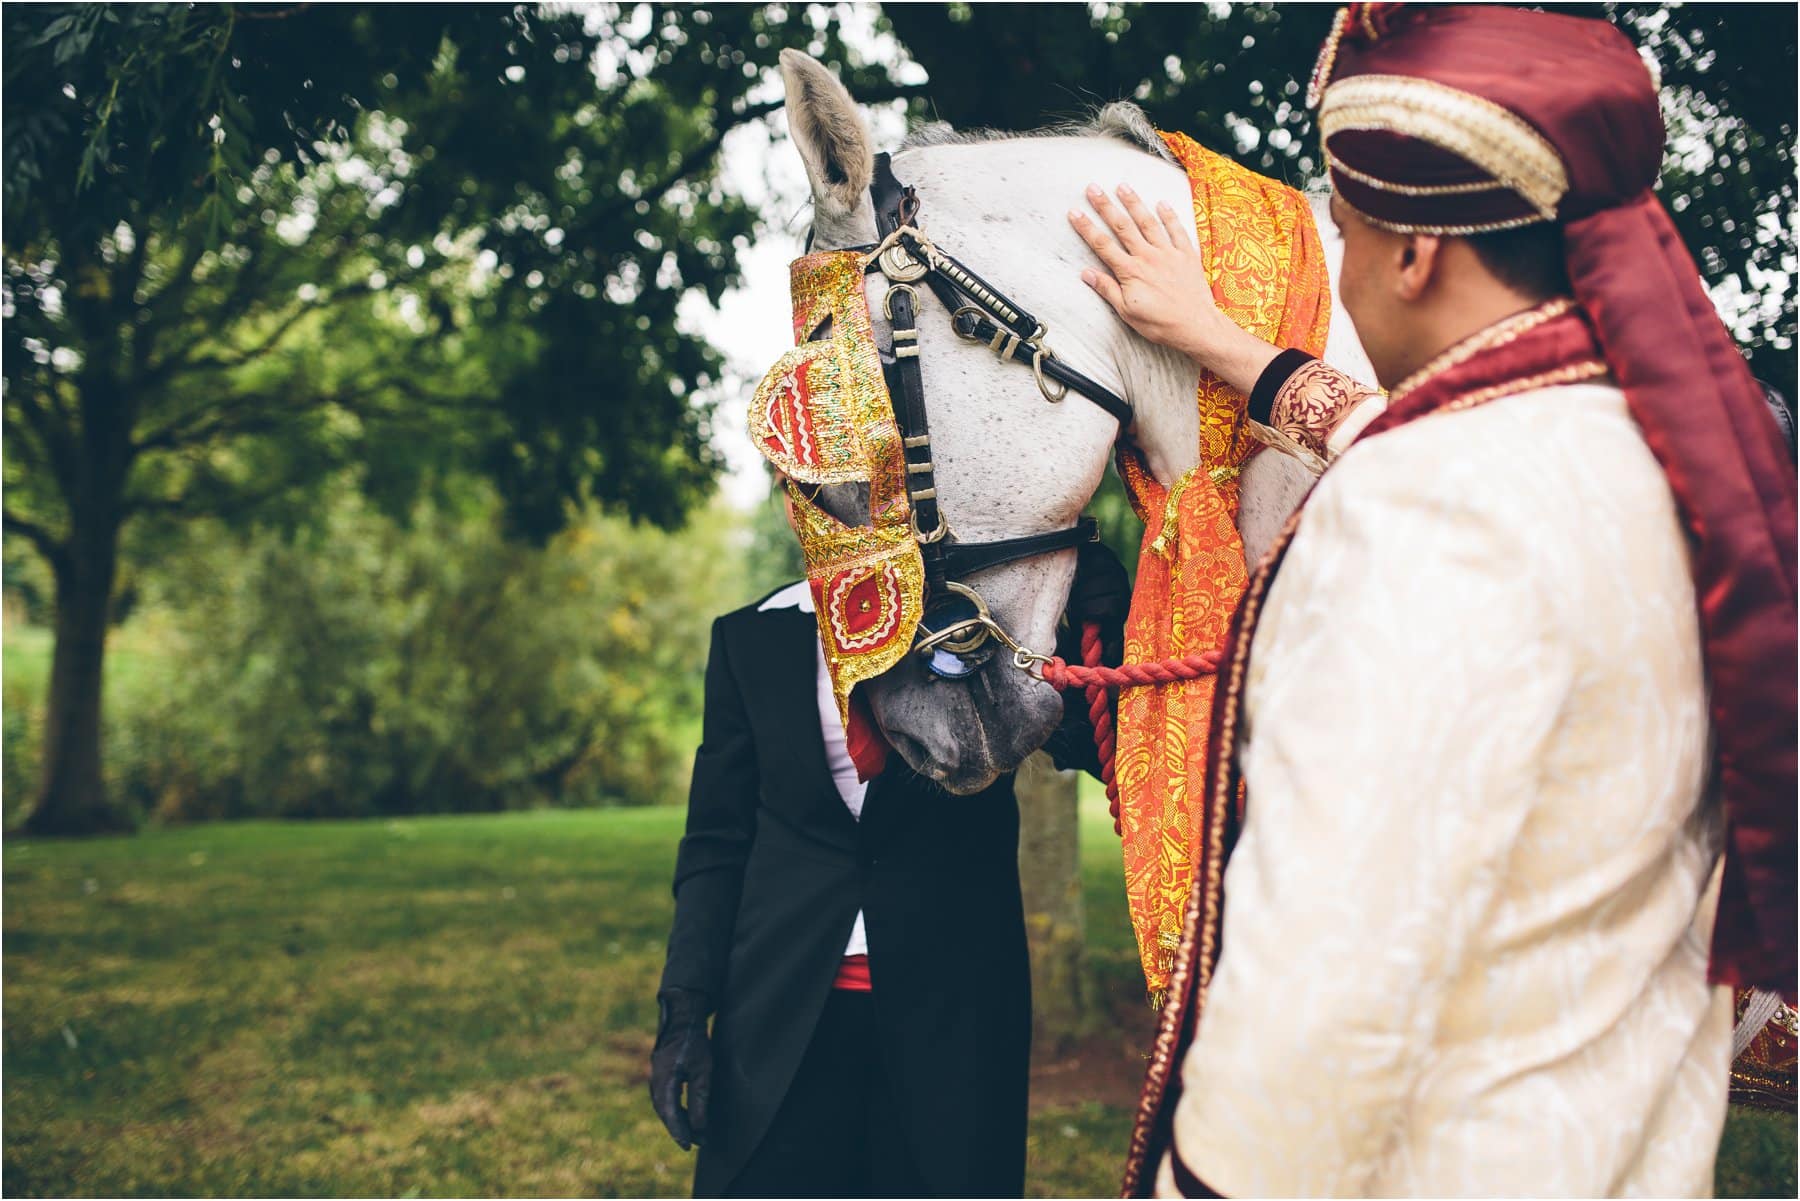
[
  {"x": 1050, "y": 875},
  {"x": 71, "y": 790}
]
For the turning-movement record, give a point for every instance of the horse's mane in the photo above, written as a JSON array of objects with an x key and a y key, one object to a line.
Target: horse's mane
[{"x": 1120, "y": 120}]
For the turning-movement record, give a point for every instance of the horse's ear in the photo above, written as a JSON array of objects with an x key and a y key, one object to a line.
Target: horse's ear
[{"x": 829, "y": 132}]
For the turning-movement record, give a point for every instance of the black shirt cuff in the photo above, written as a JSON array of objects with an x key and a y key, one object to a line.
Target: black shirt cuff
[{"x": 1281, "y": 368}]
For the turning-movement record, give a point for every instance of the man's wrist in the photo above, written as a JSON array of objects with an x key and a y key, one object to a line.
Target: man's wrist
[
  {"x": 1219, "y": 345},
  {"x": 1201, "y": 338},
  {"x": 683, "y": 1004}
]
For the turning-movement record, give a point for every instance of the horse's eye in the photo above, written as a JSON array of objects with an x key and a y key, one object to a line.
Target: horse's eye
[{"x": 821, "y": 333}]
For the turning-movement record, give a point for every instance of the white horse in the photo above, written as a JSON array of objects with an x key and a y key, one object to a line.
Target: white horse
[{"x": 1008, "y": 463}]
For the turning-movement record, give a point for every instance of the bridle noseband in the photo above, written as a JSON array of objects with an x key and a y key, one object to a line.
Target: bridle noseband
[{"x": 957, "y": 622}]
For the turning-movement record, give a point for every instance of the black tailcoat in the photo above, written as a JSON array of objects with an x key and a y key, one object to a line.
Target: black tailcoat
[{"x": 768, "y": 882}]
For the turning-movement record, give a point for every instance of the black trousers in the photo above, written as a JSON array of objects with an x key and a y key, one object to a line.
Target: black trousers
[{"x": 839, "y": 1132}]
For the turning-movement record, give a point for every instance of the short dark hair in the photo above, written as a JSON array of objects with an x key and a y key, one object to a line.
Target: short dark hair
[{"x": 1528, "y": 259}]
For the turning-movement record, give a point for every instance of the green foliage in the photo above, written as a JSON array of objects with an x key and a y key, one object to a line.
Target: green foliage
[
  {"x": 141, "y": 665},
  {"x": 773, "y": 557},
  {"x": 367, "y": 666},
  {"x": 276, "y": 239},
  {"x": 249, "y": 246},
  {"x": 23, "y": 677},
  {"x": 1729, "y": 177}
]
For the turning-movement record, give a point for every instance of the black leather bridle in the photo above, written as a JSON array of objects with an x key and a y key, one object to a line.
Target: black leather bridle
[{"x": 957, "y": 622}]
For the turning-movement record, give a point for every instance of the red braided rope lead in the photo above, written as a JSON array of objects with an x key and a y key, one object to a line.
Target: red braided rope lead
[
  {"x": 1097, "y": 679},
  {"x": 1060, "y": 675},
  {"x": 1100, "y": 713}
]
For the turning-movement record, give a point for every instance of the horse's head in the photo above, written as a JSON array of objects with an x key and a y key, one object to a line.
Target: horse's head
[{"x": 1008, "y": 461}]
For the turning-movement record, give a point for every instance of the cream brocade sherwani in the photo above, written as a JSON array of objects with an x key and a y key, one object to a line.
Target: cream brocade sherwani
[{"x": 1466, "y": 926}]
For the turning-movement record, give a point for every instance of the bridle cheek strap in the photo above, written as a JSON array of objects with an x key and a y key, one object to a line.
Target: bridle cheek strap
[
  {"x": 965, "y": 558},
  {"x": 981, "y": 313}
]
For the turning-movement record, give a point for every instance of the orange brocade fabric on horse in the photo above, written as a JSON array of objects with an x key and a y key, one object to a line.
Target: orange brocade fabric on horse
[{"x": 1267, "y": 266}]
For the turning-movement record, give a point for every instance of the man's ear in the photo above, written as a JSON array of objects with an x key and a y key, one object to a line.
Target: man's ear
[{"x": 1418, "y": 262}]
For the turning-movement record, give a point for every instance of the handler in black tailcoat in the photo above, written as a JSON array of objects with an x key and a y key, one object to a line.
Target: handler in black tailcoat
[
  {"x": 919, "y": 1083},
  {"x": 808, "y": 1086}
]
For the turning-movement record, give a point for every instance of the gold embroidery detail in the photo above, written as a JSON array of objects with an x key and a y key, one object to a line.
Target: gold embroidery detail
[
  {"x": 1444, "y": 231},
  {"x": 1311, "y": 403},
  {"x": 1401, "y": 189},
  {"x": 1266, "y": 264},
  {"x": 1327, "y": 60},
  {"x": 822, "y": 415},
  {"x": 1498, "y": 334},
  {"x": 1172, "y": 512},
  {"x": 1572, "y": 374},
  {"x": 1278, "y": 439},
  {"x": 1493, "y": 138}
]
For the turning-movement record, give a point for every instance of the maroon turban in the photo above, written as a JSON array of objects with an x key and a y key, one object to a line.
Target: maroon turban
[{"x": 1467, "y": 120}]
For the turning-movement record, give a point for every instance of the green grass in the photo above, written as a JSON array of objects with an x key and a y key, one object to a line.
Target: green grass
[{"x": 424, "y": 1007}]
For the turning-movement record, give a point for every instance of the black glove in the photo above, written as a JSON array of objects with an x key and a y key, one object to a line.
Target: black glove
[
  {"x": 683, "y": 1055},
  {"x": 1101, "y": 593}
]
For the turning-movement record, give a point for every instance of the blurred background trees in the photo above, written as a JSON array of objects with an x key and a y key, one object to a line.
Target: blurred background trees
[
  {"x": 259, "y": 254},
  {"x": 348, "y": 408}
]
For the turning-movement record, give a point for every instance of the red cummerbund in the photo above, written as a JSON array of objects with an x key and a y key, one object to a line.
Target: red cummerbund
[{"x": 853, "y": 974}]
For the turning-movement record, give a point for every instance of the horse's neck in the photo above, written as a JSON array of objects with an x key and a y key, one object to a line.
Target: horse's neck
[
  {"x": 1168, "y": 427},
  {"x": 1002, "y": 207}
]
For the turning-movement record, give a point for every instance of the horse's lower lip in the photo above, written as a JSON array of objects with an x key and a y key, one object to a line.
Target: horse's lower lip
[
  {"x": 914, "y": 754},
  {"x": 961, "y": 779}
]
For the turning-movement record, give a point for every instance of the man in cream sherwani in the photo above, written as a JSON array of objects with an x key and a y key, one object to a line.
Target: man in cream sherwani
[{"x": 1522, "y": 673}]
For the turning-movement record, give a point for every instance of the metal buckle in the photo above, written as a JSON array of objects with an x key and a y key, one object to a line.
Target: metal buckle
[
  {"x": 963, "y": 636},
  {"x": 966, "y": 636},
  {"x": 909, "y": 268},
  {"x": 900, "y": 266},
  {"x": 1037, "y": 370},
  {"x": 1040, "y": 353},
  {"x": 938, "y": 532},
  {"x": 956, "y": 326},
  {"x": 887, "y": 302}
]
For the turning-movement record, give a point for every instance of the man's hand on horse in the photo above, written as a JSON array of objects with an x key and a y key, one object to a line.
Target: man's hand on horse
[{"x": 1155, "y": 280}]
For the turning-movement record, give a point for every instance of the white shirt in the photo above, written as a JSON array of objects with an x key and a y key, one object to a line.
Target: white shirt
[
  {"x": 831, "y": 727},
  {"x": 1465, "y": 947}
]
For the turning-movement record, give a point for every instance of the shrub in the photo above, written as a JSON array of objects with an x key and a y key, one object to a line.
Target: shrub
[{"x": 367, "y": 666}]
